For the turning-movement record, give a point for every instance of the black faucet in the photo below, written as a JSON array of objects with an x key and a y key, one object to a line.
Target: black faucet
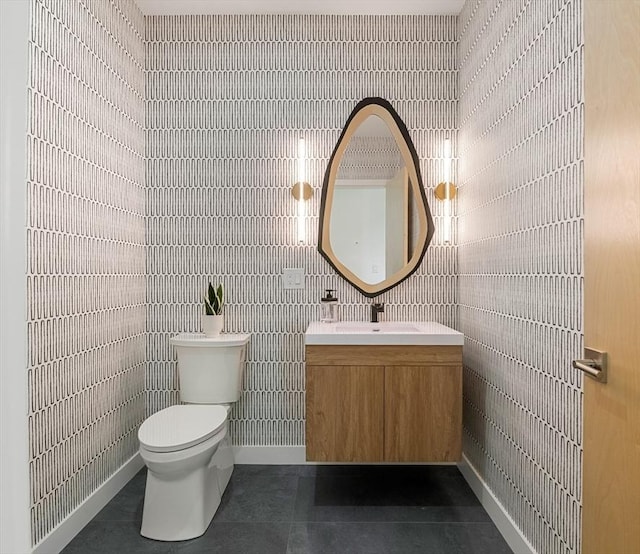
[{"x": 376, "y": 308}]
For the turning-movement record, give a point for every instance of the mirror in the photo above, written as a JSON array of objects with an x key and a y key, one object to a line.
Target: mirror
[{"x": 375, "y": 223}]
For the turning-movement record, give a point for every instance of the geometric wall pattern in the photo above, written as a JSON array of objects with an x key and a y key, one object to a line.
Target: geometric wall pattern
[
  {"x": 227, "y": 99},
  {"x": 520, "y": 258},
  {"x": 157, "y": 163},
  {"x": 85, "y": 249}
]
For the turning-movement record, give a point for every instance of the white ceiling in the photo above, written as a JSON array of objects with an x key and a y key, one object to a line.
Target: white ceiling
[{"x": 372, "y": 7}]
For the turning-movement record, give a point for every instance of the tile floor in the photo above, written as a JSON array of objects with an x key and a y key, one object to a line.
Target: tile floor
[{"x": 316, "y": 509}]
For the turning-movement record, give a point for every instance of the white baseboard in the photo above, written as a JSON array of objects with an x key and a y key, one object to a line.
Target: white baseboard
[
  {"x": 62, "y": 535},
  {"x": 270, "y": 455},
  {"x": 507, "y": 527}
]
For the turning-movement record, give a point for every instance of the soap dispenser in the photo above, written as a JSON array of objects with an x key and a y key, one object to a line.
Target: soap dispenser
[{"x": 329, "y": 307}]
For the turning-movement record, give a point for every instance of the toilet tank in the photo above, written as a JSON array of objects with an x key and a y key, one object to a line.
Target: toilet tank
[{"x": 210, "y": 369}]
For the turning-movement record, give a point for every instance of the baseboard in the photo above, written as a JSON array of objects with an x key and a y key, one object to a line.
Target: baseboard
[
  {"x": 269, "y": 455},
  {"x": 507, "y": 527},
  {"x": 62, "y": 535}
]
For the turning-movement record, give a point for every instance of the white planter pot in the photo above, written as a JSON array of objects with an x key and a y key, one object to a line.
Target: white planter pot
[{"x": 212, "y": 325}]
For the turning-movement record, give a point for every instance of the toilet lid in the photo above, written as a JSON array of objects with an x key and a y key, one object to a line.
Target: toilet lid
[{"x": 179, "y": 427}]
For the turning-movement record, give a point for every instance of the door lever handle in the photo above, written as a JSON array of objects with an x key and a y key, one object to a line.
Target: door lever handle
[{"x": 594, "y": 364}]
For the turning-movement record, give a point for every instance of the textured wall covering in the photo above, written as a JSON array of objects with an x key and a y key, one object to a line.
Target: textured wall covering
[
  {"x": 519, "y": 256},
  {"x": 86, "y": 244},
  {"x": 228, "y": 97}
]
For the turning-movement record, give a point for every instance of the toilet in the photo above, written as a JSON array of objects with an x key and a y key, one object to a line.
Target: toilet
[{"x": 186, "y": 448}]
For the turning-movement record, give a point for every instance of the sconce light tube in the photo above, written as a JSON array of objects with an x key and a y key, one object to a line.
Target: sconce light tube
[
  {"x": 447, "y": 191},
  {"x": 447, "y": 160},
  {"x": 302, "y": 153},
  {"x": 301, "y": 200}
]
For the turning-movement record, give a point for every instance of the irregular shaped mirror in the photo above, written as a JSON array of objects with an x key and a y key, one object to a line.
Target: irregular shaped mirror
[{"x": 375, "y": 223}]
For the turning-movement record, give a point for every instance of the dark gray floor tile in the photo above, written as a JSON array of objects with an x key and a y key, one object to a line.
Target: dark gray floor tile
[
  {"x": 307, "y": 470},
  {"x": 389, "y": 486},
  {"x": 259, "y": 497},
  {"x": 127, "y": 504},
  {"x": 107, "y": 537},
  {"x": 478, "y": 538},
  {"x": 370, "y": 538},
  {"x": 342, "y": 503},
  {"x": 239, "y": 538},
  {"x": 349, "y": 508}
]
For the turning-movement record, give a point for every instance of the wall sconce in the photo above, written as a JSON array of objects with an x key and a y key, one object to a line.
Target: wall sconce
[
  {"x": 302, "y": 191},
  {"x": 446, "y": 190}
]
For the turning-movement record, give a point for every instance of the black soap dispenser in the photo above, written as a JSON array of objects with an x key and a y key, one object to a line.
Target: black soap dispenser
[{"x": 329, "y": 307}]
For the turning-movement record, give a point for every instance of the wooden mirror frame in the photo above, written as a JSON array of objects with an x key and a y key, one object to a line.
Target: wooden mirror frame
[{"x": 383, "y": 109}]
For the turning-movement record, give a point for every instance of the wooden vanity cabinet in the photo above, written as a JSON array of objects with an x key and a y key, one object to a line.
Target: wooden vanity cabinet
[{"x": 383, "y": 403}]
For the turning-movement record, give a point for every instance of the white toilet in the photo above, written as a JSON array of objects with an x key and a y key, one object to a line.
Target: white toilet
[{"x": 186, "y": 448}]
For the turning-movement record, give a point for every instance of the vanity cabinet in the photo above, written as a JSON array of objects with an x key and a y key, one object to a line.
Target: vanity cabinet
[{"x": 374, "y": 403}]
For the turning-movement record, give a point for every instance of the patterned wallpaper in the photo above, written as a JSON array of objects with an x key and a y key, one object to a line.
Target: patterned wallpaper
[
  {"x": 85, "y": 248},
  {"x": 228, "y": 97},
  {"x": 520, "y": 258}
]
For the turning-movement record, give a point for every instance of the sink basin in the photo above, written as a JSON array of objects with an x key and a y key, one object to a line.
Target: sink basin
[
  {"x": 382, "y": 327},
  {"x": 383, "y": 333}
]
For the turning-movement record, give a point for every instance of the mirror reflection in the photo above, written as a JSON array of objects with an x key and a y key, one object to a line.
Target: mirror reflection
[
  {"x": 375, "y": 240},
  {"x": 375, "y": 223}
]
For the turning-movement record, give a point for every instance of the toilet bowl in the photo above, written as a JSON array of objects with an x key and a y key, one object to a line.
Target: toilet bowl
[
  {"x": 179, "y": 445},
  {"x": 186, "y": 448}
]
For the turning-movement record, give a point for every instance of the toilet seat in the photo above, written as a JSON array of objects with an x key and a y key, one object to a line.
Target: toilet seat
[{"x": 180, "y": 427}]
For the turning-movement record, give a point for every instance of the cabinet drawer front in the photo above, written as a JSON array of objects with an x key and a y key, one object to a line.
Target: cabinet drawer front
[
  {"x": 344, "y": 416},
  {"x": 347, "y": 355},
  {"x": 423, "y": 414}
]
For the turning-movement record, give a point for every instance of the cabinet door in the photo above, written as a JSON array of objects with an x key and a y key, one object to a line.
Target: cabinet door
[
  {"x": 344, "y": 419},
  {"x": 423, "y": 414}
]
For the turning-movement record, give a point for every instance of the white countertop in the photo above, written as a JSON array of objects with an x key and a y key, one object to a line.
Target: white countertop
[{"x": 384, "y": 333}]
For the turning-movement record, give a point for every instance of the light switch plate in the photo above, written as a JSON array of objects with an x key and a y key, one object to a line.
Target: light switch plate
[{"x": 293, "y": 278}]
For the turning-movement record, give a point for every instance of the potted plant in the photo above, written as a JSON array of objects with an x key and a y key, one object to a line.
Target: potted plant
[{"x": 212, "y": 319}]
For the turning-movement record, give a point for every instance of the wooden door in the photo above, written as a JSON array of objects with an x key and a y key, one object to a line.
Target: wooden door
[{"x": 611, "y": 461}]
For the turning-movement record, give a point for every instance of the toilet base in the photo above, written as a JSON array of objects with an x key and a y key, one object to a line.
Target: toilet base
[{"x": 179, "y": 507}]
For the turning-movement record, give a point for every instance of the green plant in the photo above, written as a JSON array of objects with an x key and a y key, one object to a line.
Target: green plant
[{"x": 214, "y": 300}]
